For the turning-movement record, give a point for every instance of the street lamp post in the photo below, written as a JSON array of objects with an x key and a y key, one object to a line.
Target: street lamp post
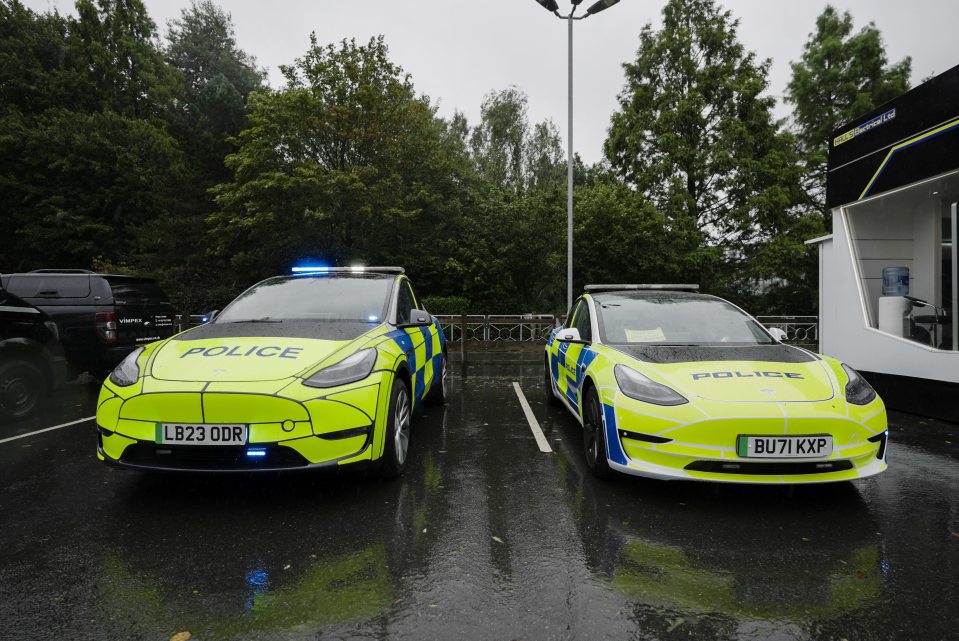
[{"x": 551, "y": 5}]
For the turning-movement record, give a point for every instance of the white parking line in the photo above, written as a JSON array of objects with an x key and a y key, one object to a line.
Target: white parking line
[
  {"x": 533, "y": 424},
  {"x": 46, "y": 429}
]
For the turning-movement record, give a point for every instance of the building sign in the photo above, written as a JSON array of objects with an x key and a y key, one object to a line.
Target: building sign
[{"x": 864, "y": 127}]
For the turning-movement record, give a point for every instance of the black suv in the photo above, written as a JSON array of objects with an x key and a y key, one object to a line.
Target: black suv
[
  {"x": 31, "y": 358},
  {"x": 100, "y": 317}
]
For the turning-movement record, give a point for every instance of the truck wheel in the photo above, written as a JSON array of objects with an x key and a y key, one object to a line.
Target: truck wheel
[{"x": 21, "y": 387}]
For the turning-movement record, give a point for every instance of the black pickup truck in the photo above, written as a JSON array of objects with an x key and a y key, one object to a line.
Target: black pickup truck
[
  {"x": 100, "y": 317},
  {"x": 31, "y": 358}
]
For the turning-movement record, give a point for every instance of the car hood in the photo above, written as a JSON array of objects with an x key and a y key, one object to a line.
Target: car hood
[
  {"x": 239, "y": 358},
  {"x": 774, "y": 373}
]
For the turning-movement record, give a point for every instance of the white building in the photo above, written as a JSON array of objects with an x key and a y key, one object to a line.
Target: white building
[{"x": 893, "y": 189}]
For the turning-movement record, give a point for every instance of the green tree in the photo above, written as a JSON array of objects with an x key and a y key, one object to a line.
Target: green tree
[
  {"x": 85, "y": 158},
  {"x": 121, "y": 57},
  {"x": 695, "y": 136},
  {"x": 218, "y": 78},
  {"x": 840, "y": 76},
  {"x": 345, "y": 163}
]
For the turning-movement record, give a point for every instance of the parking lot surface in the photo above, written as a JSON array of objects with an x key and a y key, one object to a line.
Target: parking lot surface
[{"x": 485, "y": 537}]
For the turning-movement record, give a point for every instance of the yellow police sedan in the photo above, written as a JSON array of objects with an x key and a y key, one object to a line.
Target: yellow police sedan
[
  {"x": 669, "y": 383},
  {"x": 321, "y": 368}
]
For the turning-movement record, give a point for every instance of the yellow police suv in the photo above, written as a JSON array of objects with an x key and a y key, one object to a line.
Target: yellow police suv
[
  {"x": 669, "y": 383},
  {"x": 321, "y": 368}
]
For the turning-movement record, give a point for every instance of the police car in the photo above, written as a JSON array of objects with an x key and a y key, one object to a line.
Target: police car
[
  {"x": 669, "y": 383},
  {"x": 322, "y": 368}
]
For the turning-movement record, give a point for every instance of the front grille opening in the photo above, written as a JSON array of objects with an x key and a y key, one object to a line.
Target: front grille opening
[
  {"x": 212, "y": 457},
  {"x": 777, "y": 468}
]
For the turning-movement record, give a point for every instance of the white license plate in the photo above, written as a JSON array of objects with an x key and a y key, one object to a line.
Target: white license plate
[
  {"x": 814, "y": 446},
  {"x": 200, "y": 434}
]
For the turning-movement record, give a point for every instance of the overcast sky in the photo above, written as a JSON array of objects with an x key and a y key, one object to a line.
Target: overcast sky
[{"x": 459, "y": 50}]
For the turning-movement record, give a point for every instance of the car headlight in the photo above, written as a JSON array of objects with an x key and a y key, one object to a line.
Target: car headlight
[
  {"x": 127, "y": 372},
  {"x": 635, "y": 385},
  {"x": 858, "y": 391},
  {"x": 349, "y": 370}
]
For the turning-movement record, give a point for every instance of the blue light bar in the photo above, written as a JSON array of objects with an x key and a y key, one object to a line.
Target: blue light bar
[
  {"x": 311, "y": 269},
  {"x": 256, "y": 452}
]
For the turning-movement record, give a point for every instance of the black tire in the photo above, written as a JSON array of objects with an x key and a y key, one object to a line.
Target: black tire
[
  {"x": 594, "y": 437},
  {"x": 22, "y": 385},
  {"x": 548, "y": 381},
  {"x": 396, "y": 448},
  {"x": 438, "y": 392}
]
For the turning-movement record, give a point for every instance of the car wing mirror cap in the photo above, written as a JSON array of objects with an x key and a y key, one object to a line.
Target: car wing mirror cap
[
  {"x": 778, "y": 333},
  {"x": 418, "y": 318},
  {"x": 568, "y": 335}
]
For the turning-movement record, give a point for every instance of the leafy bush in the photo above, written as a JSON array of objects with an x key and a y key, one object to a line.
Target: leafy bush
[{"x": 446, "y": 304}]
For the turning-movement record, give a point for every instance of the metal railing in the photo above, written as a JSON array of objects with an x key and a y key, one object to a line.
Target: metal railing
[
  {"x": 497, "y": 327},
  {"x": 800, "y": 330}
]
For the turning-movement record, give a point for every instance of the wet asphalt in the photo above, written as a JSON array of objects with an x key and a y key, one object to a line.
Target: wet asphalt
[{"x": 484, "y": 537}]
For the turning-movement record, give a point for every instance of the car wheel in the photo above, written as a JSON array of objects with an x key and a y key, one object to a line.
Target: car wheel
[
  {"x": 548, "y": 381},
  {"x": 594, "y": 437},
  {"x": 21, "y": 388},
  {"x": 438, "y": 392},
  {"x": 398, "y": 420}
]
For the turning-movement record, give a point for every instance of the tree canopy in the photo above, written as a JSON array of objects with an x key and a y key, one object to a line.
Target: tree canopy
[{"x": 171, "y": 157}]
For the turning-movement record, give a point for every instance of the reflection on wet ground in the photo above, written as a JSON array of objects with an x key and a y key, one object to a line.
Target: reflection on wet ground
[{"x": 484, "y": 537}]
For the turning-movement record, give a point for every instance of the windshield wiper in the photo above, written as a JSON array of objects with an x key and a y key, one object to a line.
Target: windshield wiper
[{"x": 254, "y": 320}]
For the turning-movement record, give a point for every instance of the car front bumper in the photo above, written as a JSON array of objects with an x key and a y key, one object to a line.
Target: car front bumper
[
  {"x": 698, "y": 442},
  {"x": 320, "y": 428}
]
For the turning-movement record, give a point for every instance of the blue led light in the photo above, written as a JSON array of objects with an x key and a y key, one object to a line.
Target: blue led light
[
  {"x": 256, "y": 452},
  {"x": 311, "y": 269}
]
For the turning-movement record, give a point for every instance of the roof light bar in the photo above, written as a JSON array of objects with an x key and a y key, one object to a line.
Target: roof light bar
[
  {"x": 642, "y": 287},
  {"x": 355, "y": 269}
]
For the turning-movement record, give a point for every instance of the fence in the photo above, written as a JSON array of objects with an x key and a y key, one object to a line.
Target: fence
[
  {"x": 800, "y": 330},
  {"x": 518, "y": 328}
]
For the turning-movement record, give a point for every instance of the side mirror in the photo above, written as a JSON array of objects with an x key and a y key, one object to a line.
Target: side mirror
[
  {"x": 569, "y": 335},
  {"x": 212, "y": 315},
  {"x": 778, "y": 333},
  {"x": 418, "y": 318}
]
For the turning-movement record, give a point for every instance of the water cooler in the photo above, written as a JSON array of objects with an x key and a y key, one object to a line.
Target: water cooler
[{"x": 893, "y": 307}]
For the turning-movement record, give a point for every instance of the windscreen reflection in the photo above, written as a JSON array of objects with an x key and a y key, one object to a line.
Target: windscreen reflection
[{"x": 675, "y": 320}]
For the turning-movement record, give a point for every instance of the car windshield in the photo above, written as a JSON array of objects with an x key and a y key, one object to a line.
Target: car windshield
[
  {"x": 312, "y": 298},
  {"x": 665, "y": 319}
]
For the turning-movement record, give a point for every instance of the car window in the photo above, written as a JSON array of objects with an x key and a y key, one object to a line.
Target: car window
[
  {"x": 405, "y": 303},
  {"x": 50, "y": 286},
  {"x": 312, "y": 298},
  {"x": 136, "y": 290},
  {"x": 675, "y": 320},
  {"x": 581, "y": 320}
]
